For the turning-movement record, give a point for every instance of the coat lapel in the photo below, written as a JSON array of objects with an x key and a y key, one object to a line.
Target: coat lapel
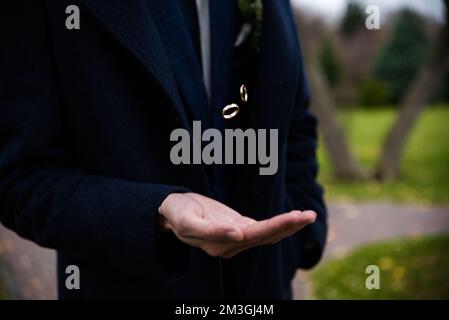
[
  {"x": 132, "y": 24},
  {"x": 174, "y": 33}
]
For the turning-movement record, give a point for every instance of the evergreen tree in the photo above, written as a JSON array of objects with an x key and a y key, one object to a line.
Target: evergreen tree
[
  {"x": 354, "y": 18},
  {"x": 329, "y": 62},
  {"x": 403, "y": 55}
]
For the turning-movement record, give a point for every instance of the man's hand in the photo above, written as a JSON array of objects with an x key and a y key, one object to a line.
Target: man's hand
[{"x": 220, "y": 231}]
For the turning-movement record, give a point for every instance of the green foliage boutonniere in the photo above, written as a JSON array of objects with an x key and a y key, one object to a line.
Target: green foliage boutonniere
[{"x": 252, "y": 14}]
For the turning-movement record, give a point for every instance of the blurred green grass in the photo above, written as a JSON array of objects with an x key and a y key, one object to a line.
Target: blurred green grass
[
  {"x": 409, "y": 269},
  {"x": 425, "y": 168}
]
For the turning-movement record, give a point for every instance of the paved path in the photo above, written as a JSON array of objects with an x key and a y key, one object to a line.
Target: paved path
[{"x": 30, "y": 270}]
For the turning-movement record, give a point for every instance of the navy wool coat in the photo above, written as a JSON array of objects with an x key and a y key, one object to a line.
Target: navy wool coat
[{"x": 85, "y": 121}]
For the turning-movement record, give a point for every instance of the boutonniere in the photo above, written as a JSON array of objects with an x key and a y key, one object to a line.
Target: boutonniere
[{"x": 251, "y": 12}]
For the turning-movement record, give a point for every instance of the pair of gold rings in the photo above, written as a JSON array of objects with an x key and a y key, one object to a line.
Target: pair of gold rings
[{"x": 231, "y": 110}]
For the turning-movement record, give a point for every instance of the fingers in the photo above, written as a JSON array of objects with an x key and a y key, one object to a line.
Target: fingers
[
  {"x": 306, "y": 218},
  {"x": 267, "y": 229}
]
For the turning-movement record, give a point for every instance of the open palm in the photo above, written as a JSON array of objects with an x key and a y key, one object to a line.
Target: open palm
[{"x": 221, "y": 231}]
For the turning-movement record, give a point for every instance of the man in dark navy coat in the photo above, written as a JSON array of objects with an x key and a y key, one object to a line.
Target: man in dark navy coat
[{"x": 86, "y": 115}]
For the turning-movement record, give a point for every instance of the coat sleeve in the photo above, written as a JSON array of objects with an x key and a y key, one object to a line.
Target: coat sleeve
[
  {"x": 45, "y": 197},
  {"x": 304, "y": 193}
]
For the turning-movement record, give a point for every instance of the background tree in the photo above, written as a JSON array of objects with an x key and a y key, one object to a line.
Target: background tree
[
  {"x": 416, "y": 97},
  {"x": 354, "y": 19},
  {"x": 329, "y": 62},
  {"x": 345, "y": 165},
  {"x": 414, "y": 102},
  {"x": 403, "y": 55},
  {"x": 442, "y": 94}
]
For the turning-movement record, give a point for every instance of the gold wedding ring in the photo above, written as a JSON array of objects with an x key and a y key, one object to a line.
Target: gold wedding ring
[
  {"x": 244, "y": 93},
  {"x": 230, "y": 111}
]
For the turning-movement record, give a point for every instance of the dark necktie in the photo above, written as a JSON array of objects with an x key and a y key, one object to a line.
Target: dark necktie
[{"x": 191, "y": 14}]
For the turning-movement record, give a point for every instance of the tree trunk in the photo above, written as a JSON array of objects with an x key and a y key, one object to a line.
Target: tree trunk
[
  {"x": 345, "y": 164},
  {"x": 414, "y": 103}
]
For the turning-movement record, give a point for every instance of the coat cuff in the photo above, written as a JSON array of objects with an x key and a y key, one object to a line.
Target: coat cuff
[{"x": 312, "y": 240}]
